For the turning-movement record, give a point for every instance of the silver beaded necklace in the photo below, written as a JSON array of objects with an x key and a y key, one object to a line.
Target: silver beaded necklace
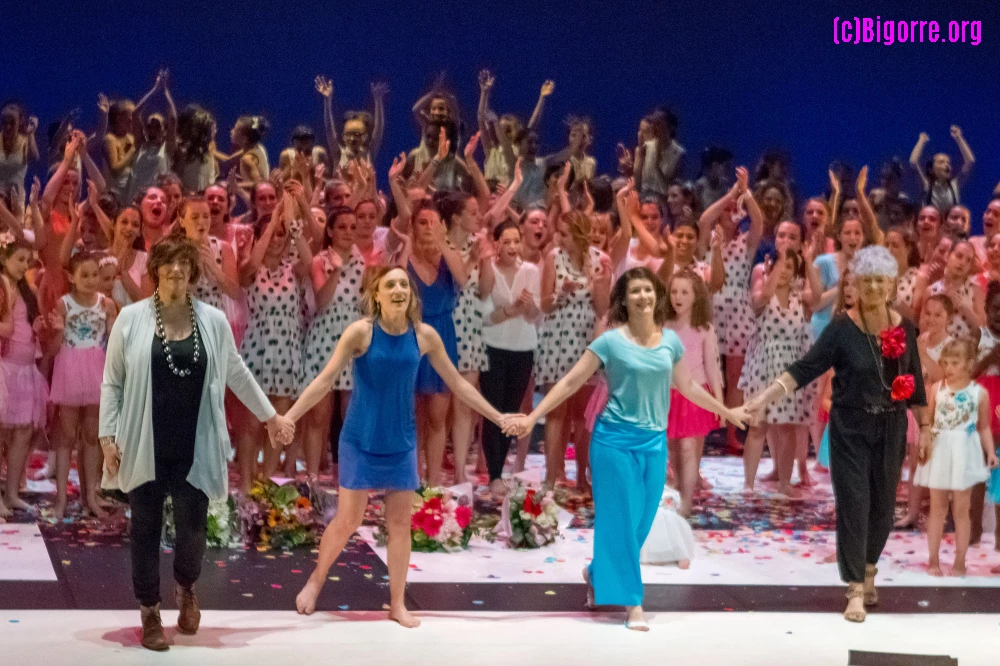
[{"x": 161, "y": 333}]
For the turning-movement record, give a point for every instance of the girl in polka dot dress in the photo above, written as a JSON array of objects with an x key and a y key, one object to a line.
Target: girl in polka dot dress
[
  {"x": 783, "y": 336},
  {"x": 959, "y": 284},
  {"x": 576, "y": 287},
  {"x": 732, "y": 310},
  {"x": 902, "y": 244},
  {"x": 460, "y": 213},
  {"x": 337, "y": 275},
  {"x": 219, "y": 276},
  {"x": 272, "y": 346}
]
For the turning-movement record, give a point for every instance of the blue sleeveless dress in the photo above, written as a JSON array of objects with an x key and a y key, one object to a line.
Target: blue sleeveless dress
[
  {"x": 378, "y": 443},
  {"x": 437, "y": 306}
]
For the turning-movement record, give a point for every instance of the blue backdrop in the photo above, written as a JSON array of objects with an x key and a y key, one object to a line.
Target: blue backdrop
[{"x": 745, "y": 75}]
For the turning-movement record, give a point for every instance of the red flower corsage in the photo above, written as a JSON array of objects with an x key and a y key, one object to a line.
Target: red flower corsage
[
  {"x": 902, "y": 387},
  {"x": 893, "y": 342}
]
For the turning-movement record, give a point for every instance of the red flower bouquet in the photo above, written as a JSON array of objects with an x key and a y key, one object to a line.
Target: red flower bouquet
[
  {"x": 893, "y": 342},
  {"x": 441, "y": 522},
  {"x": 902, "y": 387}
]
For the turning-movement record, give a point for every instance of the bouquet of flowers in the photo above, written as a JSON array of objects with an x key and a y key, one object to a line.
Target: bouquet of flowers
[
  {"x": 529, "y": 517},
  {"x": 222, "y": 530},
  {"x": 277, "y": 516},
  {"x": 441, "y": 520}
]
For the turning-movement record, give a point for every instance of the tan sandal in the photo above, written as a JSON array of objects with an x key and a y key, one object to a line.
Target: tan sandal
[
  {"x": 855, "y": 616},
  {"x": 871, "y": 594}
]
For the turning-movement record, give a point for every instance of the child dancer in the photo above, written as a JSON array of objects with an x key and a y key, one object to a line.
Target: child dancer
[
  {"x": 689, "y": 315},
  {"x": 934, "y": 336},
  {"x": 23, "y": 411},
  {"x": 954, "y": 463},
  {"x": 79, "y": 324}
]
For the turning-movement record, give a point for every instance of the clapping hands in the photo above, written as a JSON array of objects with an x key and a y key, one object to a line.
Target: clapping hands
[{"x": 280, "y": 430}]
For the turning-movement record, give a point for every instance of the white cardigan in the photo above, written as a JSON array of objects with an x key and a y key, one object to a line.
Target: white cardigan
[{"x": 127, "y": 405}]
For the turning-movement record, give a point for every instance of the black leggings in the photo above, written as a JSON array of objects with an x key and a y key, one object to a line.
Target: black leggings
[
  {"x": 190, "y": 520},
  {"x": 866, "y": 456},
  {"x": 503, "y": 385}
]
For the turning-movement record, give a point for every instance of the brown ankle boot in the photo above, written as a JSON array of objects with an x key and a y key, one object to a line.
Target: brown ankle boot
[
  {"x": 190, "y": 615},
  {"x": 152, "y": 629}
]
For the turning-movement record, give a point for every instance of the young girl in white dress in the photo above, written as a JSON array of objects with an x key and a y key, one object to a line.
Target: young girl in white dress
[{"x": 953, "y": 464}]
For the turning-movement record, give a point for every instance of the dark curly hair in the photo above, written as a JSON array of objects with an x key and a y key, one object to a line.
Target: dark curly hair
[
  {"x": 618, "y": 311},
  {"x": 195, "y": 126}
]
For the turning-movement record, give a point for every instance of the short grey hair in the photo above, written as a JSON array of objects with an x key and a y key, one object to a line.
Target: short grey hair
[{"x": 874, "y": 260}]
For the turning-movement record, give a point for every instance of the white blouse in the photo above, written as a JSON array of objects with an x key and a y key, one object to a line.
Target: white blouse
[
  {"x": 127, "y": 405},
  {"x": 517, "y": 334}
]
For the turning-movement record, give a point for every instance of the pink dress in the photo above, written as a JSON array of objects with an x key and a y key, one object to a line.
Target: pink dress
[
  {"x": 685, "y": 418},
  {"x": 27, "y": 393},
  {"x": 79, "y": 366}
]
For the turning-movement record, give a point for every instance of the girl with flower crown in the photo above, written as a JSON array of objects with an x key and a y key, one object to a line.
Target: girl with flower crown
[{"x": 873, "y": 351}]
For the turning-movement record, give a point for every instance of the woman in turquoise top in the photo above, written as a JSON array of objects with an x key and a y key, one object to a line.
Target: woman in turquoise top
[
  {"x": 628, "y": 450},
  {"x": 378, "y": 443}
]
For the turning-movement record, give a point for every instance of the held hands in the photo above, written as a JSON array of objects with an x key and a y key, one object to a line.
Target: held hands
[
  {"x": 925, "y": 446},
  {"x": 739, "y": 417},
  {"x": 516, "y": 425},
  {"x": 280, "y": 430}
]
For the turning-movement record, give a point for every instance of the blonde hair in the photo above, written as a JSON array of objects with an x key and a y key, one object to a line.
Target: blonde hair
[
  {"x": 961, "y": 347},
  {"x": 370, "y": 290},
  {"x": 579, "y": 226}
]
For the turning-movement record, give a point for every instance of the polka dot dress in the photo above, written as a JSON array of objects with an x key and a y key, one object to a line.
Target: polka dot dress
[
  {"x": 783, "y": 336},
  {"x": 958, "y": 327},
  {"x": 565, "y": 332},
  {"x": 207, "y": 289},
  {"x": 904, "y": 288},
  {"x": 330, "y": 323},
  {"x": 734, "y": 318},
  {"x": 272, "y": 345},
  {"x": 468, "y": 317}
]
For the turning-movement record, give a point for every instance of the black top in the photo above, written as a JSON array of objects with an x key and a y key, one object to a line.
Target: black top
[
  {"x": 176, "y": 400},
  {"x": 844, "y": 347}
]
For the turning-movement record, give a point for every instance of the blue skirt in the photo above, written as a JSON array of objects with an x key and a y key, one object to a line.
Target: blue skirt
[
  {"x": 361, "y": 470},
  {"x": 428, "y": 380}
]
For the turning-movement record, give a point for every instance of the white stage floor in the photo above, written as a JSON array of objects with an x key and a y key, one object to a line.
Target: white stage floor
[
  {"x": 110, "y": 638},
  {"x": 23, "y": 555}
]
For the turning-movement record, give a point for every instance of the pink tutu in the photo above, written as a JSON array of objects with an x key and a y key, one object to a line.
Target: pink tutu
[
  {"x": 236, "y": 313},
  {"x": 27, "y": 395},
  {"x": 687, "y": 419},
  {"x": 598, "y": 399},
  {"x": 77, "y": 375}
]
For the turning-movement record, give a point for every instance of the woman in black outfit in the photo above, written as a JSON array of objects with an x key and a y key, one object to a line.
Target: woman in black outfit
[
  {"x": 162, "y": 425},
  {"x": 878, "y": 376}
]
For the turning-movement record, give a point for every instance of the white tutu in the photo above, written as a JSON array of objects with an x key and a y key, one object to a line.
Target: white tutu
[
  {"x": 956, "y": 462},
  {"x": 670, "y": 539}
]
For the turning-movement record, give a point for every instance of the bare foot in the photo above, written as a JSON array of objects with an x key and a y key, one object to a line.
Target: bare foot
[
  {"x": 748, "y": 490},
  {"x": 771, "y": 477},
  {"x": 934, "y": 569},
  {"x": 498, "y": 488},
  {"x": 404, "y": 617},
  {"x": 790, "y": 491},
  {"x": 805, "y": 481},
  {"x": 703, "y": 484},
  {"x": 60, "y": 509},
  {"x": 305, "y": 602},
  {"x": 830, "y": 559},
  {"x": 684, "y": 564},
  {"x": 821, "y": 469},
  {"x": 4, "y": 511},
  {"x": 94, "y": 507},
  {"x": 584, "y": 488},
  {"x": 635, "y": 619},
  {"x": 958, "y": 569},
  {"x": 995, "y": 570},
  {"x": 906, "y": 521},
  {"x": 17, "y": 503}
]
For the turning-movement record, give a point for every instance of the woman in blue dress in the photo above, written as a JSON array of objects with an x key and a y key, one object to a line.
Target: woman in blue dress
[
  {"x": 438, "y": 274},
  {"x": 378, "y": 443},
  {"x": 641, "y": 360}
]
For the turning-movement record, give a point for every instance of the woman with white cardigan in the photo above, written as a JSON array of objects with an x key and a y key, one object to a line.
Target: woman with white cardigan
[{"x": 162, "y": 424}]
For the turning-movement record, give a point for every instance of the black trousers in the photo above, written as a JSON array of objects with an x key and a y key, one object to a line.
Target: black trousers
[
  {"x": 190, "y": 520},
  {"x": 503, "y": 385},
  {"x": 866, "y": 457}
]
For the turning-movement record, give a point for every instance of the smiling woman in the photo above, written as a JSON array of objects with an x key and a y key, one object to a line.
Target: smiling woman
[{"x": 163, "y": 433}]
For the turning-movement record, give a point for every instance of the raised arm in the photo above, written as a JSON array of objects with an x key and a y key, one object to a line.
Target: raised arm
[
  {"x": 968, "y": 159},
  {"x": 618, "y": 247},
  {"x": 69, "y": 240},
  {"x": 55, "y": 182},
  {"x": 171, "y": 128},
  {"x": 325, "y": 88},
  {"x": 30, "y": 128},
  {"x": 475, "y": 173},
  {"x": 93, "y": 201},
  {"x": 498, "y": 211},
  {"x": 873, "y": 234},
  {"x": 379, "y": 90},
  {"x": 248, "y": 271},
  {"x": 486, "y": 81},
  {"x": 536, "y": 115},
  {"x": 915, "y": 155}
]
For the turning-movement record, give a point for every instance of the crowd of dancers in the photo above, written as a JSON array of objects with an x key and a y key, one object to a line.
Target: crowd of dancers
[{"x": 518, "y": 262}]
